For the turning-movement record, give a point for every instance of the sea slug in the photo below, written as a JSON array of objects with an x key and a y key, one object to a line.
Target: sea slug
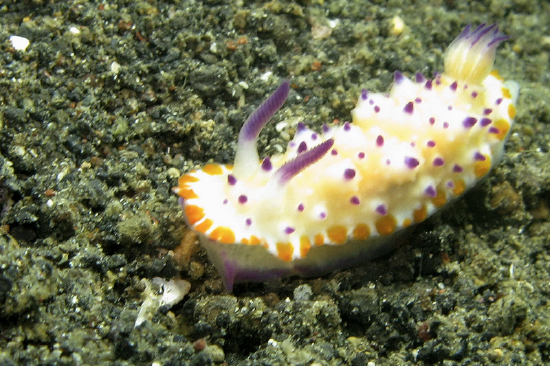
[{"x": 338, "y": 198}]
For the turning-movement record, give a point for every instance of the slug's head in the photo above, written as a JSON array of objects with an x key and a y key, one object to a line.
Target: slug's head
[{"x": 471, "y": 55}]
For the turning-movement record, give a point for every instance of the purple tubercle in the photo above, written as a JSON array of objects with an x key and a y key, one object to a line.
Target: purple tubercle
[
  {"x": 293, "y": 167},
  {"x": 428, "y": 85},
  {"x": 266, "y": 164},
  {"x": 355, "y": 200},
  {"x": 438, "y": 162},
  {"x": 479, "y": 156},
  {"x": 430, "y": 191},
  {"x": 323, "y": 215},
  {"x": 474, "y": 94},
  {"x": 325, "y": 128},
  {"x": 301, "y": 207},
  {"x": 457, "y": 169},
  {"x": 494, "y": 130},
  {"x": 453, "y": 86},
  {"x": 469, "y": 122},
  {"x": 349, "y": 174},
  {"x": 398, "y": 77},
  {"x": 347, "y": 126},
  {"x": 411, "y": 162},
  {"x": 498, "y": 101},
  {"x": 314, "y": 136},
  {"x": 376, "y": 109},
  {"x": 259, "y": 118},
  {"x": 231, "y": 180},
  {"x": 379, "y": 141},
  {"x": 487, "y": 111},
  {"x": 418, "y": 100},
  {"x": 364, "y": 94},
  {"x": 361, "y": 155},
  {"x": 300, "y": 127},
  {"x": 485, "y": 122},
  {"x": 445, "y": 124},
  {"x": 382, "y": 209},
  {"x": 289, "y": 230},
  {"x": 333, "y": 152},
  {"x": 430, "y": 143},
  {"x": 420, "y": 78},
  {"x": 225, "y": 201},
  {"x": 248, "y": 222},
  {"x": 450, "y": 107},
  {"x": 302, "y": 147},
  {"x": 243, "y": 199},
  {"x": 409, "y": 107},
  {"x": 432, "y": 120}
]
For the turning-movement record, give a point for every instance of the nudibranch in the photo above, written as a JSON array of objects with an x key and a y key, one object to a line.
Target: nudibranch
[{"x": 338, "y": 198}]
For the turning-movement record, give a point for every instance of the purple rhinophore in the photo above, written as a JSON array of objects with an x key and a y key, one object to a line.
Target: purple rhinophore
[
  {"x": 259, "y": 118},
  {"x": 469, "y": 122},
  {"x": 445, "y": 124},
  {"x": 314, "y": 136},
  {"x": 487, "y": 111},
  {"x": 479, "y": 156},
  {"x": 347, "y": 126},
  {"x": 432, "y": 120},
  {"x": 333, "y": 152},
  {"x": 293, "y": 167},
  {"x": 361, "y": 155},
  {"x": 398, "y": 77},
  {"x": 349, "y": 174},
  {"x": 376, "y": 109},
  {"x": 498, "y": 101},
  {"x": 243, "y": 199},
  {"x": 301, "y": 207},
  {"x": 300, "y": 127},
  {"x": 379, "y": 141},
  {"x": 430, "y": 143},
  {"x": 231, "y": 180},
  {"x": 355, "y": 200},
  {"x": 302, "y": 147},
  {"x": 325, "y": 128},
  {"x": 266, "y": 164},
  {"x": 485, "y": 122},
  {"x": 364, "y": 94},
  {"x": 430, "y": 191},
  {"x": 248, "y": 222},
  {"x": 428, "y": 85},
  {"x": 289, "y": 230},
  {"x": 453, "y": 86},
  {"x": 494, "y": 130},
  {"x": 323, "y": 215},
  {"x": 474, "y": 94},
  {"x": 411, "y": 162},
  {"x": 457, "y": 169},
  {"x": 382, "y": 209},
  {"x": 438, "y": 162},
  {"x": 418, "y": 100},
  {"x": 409, "y": 107},
  {"x": 420, "y": 78}
]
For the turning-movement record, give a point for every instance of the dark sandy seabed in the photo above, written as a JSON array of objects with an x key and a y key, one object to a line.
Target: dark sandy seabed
[{"x": 113, "y": 100}]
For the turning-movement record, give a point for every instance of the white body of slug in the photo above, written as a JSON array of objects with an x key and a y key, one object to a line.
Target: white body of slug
[{"x": 404, "y": 156}]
